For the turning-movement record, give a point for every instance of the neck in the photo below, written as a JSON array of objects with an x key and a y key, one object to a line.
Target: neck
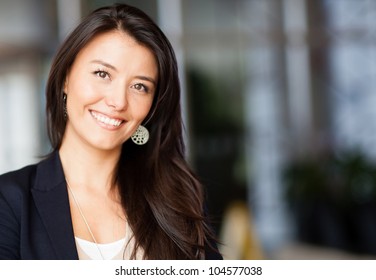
[{"x": 89, "y": 168}]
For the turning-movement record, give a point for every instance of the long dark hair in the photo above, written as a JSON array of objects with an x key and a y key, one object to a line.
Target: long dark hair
[{"x": 162, "y": 198}]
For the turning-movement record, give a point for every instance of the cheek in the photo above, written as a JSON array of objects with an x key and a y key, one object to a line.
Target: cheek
[
  {"x": 141, "y": 106},
  {"x": 83, "y": 93},
  {"x": 147, "y": 107},
  {"x": 79, "y": 80}
]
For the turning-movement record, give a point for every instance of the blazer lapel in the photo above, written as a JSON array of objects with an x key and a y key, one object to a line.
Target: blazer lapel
[{"x": 51, "y": 199}]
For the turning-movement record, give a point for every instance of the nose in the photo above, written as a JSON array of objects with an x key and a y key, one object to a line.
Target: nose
[{"x": 116, "y": 98}]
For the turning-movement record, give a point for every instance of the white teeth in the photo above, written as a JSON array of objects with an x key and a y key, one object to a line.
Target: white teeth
[{"x": 106, "y": 120}]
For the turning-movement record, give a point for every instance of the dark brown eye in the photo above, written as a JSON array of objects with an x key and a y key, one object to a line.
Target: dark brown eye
[
  {"x": 102, "y": 74},
  {"x": 141, "y": 87}
]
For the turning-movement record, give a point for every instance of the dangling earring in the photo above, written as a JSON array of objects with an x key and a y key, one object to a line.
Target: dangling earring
[
  {"x": 65, "y": 106},
  {"x": 140, "y": 136}
]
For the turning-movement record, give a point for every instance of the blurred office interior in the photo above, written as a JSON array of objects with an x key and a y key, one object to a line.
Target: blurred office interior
[{"x": 279, "y": 103}]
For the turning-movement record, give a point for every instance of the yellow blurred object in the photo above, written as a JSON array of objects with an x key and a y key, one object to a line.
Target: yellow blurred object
[{"x": 239, "y": 240}]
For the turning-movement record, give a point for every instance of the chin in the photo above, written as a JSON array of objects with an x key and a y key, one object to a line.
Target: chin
[{"x": 103, "y": 146}]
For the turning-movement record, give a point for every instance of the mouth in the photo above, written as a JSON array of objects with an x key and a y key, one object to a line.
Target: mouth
[{"x": 106, "y": 120}]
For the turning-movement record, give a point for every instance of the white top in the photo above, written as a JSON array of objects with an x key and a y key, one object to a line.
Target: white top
[
  {"x": 108, "y": 250},
  {"x": 118, "y": 250}
]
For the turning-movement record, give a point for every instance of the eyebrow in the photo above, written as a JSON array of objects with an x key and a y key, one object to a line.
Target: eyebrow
[
  {"x": 145, "y": 78},
  {"x": 104, "y": 64},
  {"x": 148, "y": 79}
]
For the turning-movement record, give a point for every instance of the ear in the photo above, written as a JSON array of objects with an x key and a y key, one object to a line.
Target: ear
[
  {"x": 65, "y": 89},
  {"x": 66, "y": 82}
]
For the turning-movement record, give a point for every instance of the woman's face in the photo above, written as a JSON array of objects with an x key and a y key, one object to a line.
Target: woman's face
[{"x": 110, "y": 89}]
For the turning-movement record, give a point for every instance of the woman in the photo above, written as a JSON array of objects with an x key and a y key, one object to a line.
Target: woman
[{"x": 116, "y": 185}]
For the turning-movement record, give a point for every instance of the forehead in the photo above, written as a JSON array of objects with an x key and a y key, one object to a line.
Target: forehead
[
  {"x": 116, "y": 37},
  {"x": 119, "y": 49}
]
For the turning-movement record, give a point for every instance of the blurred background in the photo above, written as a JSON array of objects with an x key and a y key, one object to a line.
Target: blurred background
[{"x": 279, "y": 103}]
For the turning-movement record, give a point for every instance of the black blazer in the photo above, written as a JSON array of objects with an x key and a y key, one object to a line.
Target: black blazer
[{"x": 35, "y": 218}]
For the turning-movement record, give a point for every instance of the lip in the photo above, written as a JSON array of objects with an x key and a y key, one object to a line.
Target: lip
[{"x": 107, "y": 121}]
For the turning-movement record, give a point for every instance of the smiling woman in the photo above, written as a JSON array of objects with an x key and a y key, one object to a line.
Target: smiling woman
[
  {"x": 110, "y": 90},
  {"x": 116, "y": 185}
]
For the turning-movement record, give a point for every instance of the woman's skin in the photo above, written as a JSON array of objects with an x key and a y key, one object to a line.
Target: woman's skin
[{"x": 110, "y": 89}]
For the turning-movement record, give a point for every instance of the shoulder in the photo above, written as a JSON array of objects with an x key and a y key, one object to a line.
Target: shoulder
[
  {"x": 14, "y": 199},
  {"x": 15, "y": 185},
  {"x": 26, "y": 178},
  {"x": 18, "y": 180}
]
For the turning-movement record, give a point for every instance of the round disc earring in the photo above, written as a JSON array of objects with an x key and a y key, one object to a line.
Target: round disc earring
[{"x": 140, "y": 136}]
